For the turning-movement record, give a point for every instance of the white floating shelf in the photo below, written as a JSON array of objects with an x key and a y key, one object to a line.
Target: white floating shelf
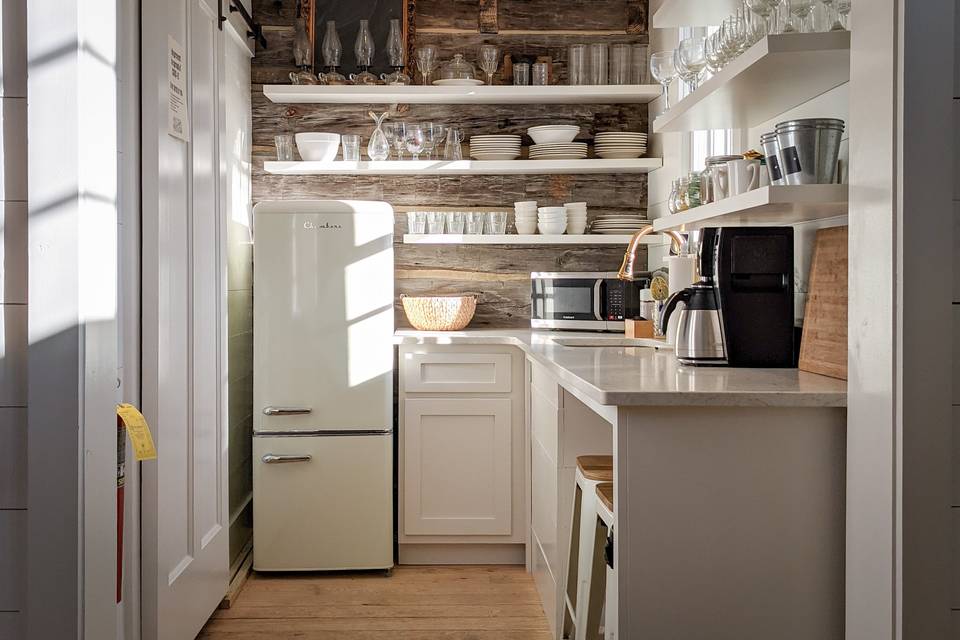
[
  {"x": 462, "y": 167},
  {"x": 773, "y": 76},
  {"x": 692, "y": 13},
  {"x": 448, "y": 238},
  {"x": 782, "y": 205},
  {"x": 552, "y": 94}
]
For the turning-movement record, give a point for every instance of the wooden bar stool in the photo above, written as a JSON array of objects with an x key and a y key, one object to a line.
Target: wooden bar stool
[
  {"x": 581, "y": 620},
  {"x": 605, "y": 515}
]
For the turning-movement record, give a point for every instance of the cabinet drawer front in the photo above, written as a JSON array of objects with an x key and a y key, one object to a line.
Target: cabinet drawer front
[
  {"x": 457, "y": 372},
  {"x": 457, "y": 466}
]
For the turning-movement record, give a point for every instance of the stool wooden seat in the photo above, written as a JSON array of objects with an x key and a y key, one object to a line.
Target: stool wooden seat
[
  {"x": 596, "y": 468},
  {"x": 605, "y": 495}
]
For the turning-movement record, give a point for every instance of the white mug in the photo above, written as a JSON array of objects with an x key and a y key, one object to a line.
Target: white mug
[{"x": 743, "y": 175}]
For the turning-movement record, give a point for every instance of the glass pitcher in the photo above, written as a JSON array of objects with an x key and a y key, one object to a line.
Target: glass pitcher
[
  {"x": 451, "y": 146},
  {"x": 379, "y": 147}
]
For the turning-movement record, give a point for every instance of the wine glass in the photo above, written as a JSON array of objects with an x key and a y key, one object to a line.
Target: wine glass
[
  {"x": 396, "y": 135},
  {"x": 843, "y": 12},
  {"x": 415, "y": 140},
  {"x": 692, "y": 57},
  {"x": 713, "y": 53},
  {"x": 663, "y": 71},
  {"x": 797, "y": 9},
  {"x": 426, "y": 61},
  {"x": 433, "y": 133},
  {"x": 763, "y": 9},
  {"x": 489, "y": 56}
]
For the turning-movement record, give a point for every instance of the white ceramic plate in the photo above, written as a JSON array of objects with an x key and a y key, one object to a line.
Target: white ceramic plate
[
  {"x": 569, "y": 156},
  {"x": 459, "y": 82},
  {"x": 495, "y": 156}
]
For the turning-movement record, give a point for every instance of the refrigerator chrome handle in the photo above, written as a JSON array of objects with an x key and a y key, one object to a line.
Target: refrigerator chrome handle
[
  {"x": 271, "y": 458},
  {"x": 286, "y": 411}
]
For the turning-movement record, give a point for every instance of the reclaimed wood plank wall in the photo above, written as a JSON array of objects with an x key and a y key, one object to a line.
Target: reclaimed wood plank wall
[{"x": 499, "y": 275}]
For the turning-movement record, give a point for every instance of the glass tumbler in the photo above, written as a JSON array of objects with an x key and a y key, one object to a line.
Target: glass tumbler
[
  {"x": 619, "y": 64},
  {"x": 351, "y": 147},
  {"x": 417, "y": 222},
  {"x": 455, "y": 221},
  {"x": 599, "y": 56},
  {"x": 638, "y": 64},
  {"x": 521, "y": 74},
  {"x": 435, "y": 220},
  {"x": 474, "y": 223},
  {"x": 577, "y": 64},
  {"x": 497, "y": 223},
  {"x": 284, "y": 144},
  {"x": 540, "y": 74}
]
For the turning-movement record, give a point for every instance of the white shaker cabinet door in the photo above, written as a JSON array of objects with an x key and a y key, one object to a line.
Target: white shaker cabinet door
[{"x": 457, "y": 471}]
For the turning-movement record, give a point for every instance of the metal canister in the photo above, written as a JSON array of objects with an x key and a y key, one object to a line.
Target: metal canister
[
  {"x": 809, "y": 149},
  {"x": 771, "y": 153}
]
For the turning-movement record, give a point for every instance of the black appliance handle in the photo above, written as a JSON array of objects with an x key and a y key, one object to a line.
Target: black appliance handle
[
  {"x": 680, "y": 296},
  {"x": 599, "y": 294},
  {"x": 707, "y": 253}
]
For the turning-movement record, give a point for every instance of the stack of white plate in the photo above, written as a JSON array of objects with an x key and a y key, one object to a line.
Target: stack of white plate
[
  {"x": 612, "y": 144},
  {"x": 576, "y": 217},
  {"x": 495, "y": 147},
  {"x": 552, "y": 221},
  {"x": 525, "y": 216},
  {"x": 558, "y": 151},
  {"x": 549, "y": 133},
  {"x": 618, "y": 224}
]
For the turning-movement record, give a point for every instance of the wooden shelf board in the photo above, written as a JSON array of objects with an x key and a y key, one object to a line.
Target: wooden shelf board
[
  {"x": 779, "y": 205},
  {"x": 552, "y": 94},
  {"x": 773, "y": 76}
]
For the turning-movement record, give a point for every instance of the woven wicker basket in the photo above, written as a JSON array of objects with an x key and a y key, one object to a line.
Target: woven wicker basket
[{"x": 439, "y": 313}]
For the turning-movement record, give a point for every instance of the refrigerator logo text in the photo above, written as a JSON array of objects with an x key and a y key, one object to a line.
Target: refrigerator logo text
[{"x": 324, "y": 225}]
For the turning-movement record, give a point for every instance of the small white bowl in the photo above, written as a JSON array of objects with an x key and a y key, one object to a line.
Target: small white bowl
[
  {"x": 551, "y": 210},
  {"x": 525, "y": 204},
  {"x": 547, "y": 134},
  {"x": 319, "y": 147},
  {"x": 552, "y": 228},
  {"x": 527, "y": 229},
  {"x": 576, "y": 228}
]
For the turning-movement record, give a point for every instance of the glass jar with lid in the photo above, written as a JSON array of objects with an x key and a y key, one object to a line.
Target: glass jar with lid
[{"x": 458, "y": 69}]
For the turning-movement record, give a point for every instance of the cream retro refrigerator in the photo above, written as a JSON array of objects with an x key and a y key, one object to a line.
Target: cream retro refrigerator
[{"x": 323, "y": 385}]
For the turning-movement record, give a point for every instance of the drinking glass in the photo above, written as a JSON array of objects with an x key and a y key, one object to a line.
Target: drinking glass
[
  {"x": 663, "y": 71},
  {"x": 426, "y": 61},
  {"x": 598, "y": 63},
  {"x": 435, "y": 220},
  {"x": 284, "y": 144},
  {"x": 397, "y": 136},
  {"x": 801, "y": 10},
  {"x": 577, "y": 64},
  {"x": 451, "y": 146},
  {"x": 620, "y": 64},
  {"x": 433, "y": 133},
  {"x": 474, "y": 222},
  {"x": 691, "y": 55},
  {"x": 414, "y": 140},
  {"x": 496, "y": 223},
  {"x": 455, "y": 220},
  {"x": 351, "y": 147},
  {"x": 843, "y": 11},
  {"x": 540, "y": 73},
  {"x": 521, "y": 74},
  {"x": 417, "y": 222},
  {"x": 489, "y": 58},
  {"x": 713, "y": 54},
  {"x": 638, "y": 64}
]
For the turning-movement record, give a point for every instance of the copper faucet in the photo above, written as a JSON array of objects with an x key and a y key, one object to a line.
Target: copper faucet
[{"x": 629, "y": 270}]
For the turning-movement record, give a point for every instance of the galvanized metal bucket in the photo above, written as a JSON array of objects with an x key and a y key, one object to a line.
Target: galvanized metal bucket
[{"x": 809, "y": 149}]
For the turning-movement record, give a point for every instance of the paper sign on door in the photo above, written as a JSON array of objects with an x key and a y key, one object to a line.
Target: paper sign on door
[
  {"x": 178, "y": 117},
  {"x": 139, "y": 432}
]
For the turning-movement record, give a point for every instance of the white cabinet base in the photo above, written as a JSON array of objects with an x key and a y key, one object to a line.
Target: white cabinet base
[{"x": 458, "y": 553}]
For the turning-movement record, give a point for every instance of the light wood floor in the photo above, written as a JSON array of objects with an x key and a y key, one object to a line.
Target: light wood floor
[{"x": 439, "y": 603}]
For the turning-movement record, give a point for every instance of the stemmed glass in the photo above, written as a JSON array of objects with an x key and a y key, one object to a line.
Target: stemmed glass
[
  {"x": 800, "y": 9},
  {"x": 415, "y": 140},
  {"x": 713, "y": 53},
  {"x": 663, "y": 71},
  {"x": 426, "y": 61},
  {"x": 397, "y": 136},
  {"x": 843, "y": 12},
  {"x": 764, "y": 9},
  {"x": 691, "y": 56},
  {"x": 489, "y": 58},
  {"x": 433, "y": 133}
]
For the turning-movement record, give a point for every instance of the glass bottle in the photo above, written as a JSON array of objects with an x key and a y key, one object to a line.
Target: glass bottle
[
  {"x": 683, "y": 203},
  {"x": 693, "y": 189},
  {"x": 672, "y": 198},
  {"x": 364, "y": 49},
  {"x": 379, "y": 147},
  {"x": 396, "y": 54},
  {"x": 332, "y": 53}
]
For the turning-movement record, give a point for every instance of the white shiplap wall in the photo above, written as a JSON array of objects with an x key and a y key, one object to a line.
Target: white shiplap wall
[{"x": 13, "y": 316}]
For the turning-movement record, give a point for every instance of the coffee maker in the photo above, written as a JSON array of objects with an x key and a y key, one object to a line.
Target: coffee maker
[{"x": 740, "y": 313}]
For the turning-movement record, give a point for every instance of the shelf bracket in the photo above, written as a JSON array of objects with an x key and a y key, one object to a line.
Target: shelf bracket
[{"x": 488, "y": 17}]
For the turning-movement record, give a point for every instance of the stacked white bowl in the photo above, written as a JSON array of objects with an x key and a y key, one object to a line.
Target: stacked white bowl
[
  {"x": 552, "y": 221},
  {"x": 525, "y": 217},
  {"x": 576, "y": 217}
]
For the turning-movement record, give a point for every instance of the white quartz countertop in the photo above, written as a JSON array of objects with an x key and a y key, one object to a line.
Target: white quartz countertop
[{"x": 619, "y": 375}]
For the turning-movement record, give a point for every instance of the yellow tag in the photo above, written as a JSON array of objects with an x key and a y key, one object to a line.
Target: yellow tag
[{"x": 139, "y": 432}]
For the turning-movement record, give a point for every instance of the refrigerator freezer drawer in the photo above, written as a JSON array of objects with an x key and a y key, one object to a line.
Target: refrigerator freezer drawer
[{"x": 322, "y": 502}]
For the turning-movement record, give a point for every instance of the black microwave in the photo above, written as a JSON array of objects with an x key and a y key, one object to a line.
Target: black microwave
[{"x": 584, "y": 301}]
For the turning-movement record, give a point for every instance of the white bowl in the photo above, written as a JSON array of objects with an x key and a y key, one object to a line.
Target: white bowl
[
  {"x": 525, "y": 204},
  {"x": 551, "y": 210},
  {"x": 576, "y": 228},
  {"x": 320, "y": 147},
  {"x": 526, "y": 228},
  {"x": 552, "y": 228},
  {"x": 543, "y": 218},
  {"x": 553, "y": 133}
]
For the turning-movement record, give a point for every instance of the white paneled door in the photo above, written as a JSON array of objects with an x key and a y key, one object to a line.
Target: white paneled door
[{"x": 184, "y": 496}]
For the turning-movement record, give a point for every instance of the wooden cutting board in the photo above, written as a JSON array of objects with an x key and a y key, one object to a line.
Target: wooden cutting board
[{"x": 824, "y": 346}]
